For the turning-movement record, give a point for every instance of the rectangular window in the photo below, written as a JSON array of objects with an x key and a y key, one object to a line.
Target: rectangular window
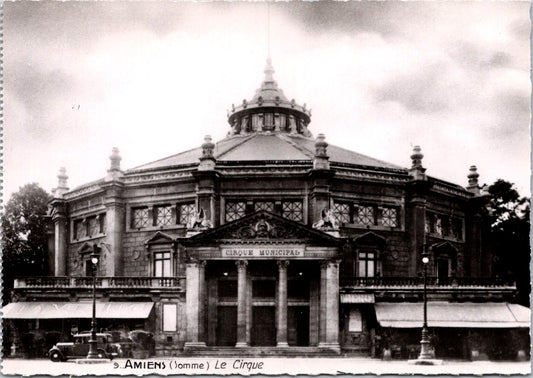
[
  {"x": 430, "y": 223},
  {"x": 169, "y": 318},
  {"x": 89, "y": 268},
  {"x": 80, "y": 228},
  {"x": 227, "y": 289},
  {"x": 235, "y": 210},
  {"x": 438, "y": 225},
  {"x": 94, "y": 226},
  {"x": 186, "y": 212},
  {"x": 342, "y": 212},
  {"x": 263, "y": 289},
  {"x": 445, "y": 226},
  {"x": 389, "y": 217},
  {"x": 355, "y": 323},
  {"x": 140, "y": 218},
  {"x": 269, "y": 119},
  {"x": 102, "y": 222},
  {"x": 293, "y": 210},
  {"x": 365, "y": 215},
  {"x": 163, "y": 216},
  {"x": 266, "y": 205},
  {"x": 162, "y": 264},
  {"x": 367, "y": 263},
  {"x": 298, "y": 288},
  {"x": 457, "y": 228}
]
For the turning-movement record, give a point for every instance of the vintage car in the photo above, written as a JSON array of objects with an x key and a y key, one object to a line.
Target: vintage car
[{"x": 79, "y": 348}]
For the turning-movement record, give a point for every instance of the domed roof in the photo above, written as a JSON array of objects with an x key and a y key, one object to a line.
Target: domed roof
[
  {"x": 268, "y": 147},
  {"x": 270, "y": 128},
  {"x": 269, "y": 110}
]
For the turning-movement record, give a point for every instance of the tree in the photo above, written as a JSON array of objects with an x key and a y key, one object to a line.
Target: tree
[
  {"x": 510, "y": 243},
  {"x": 24, "y": 235}
]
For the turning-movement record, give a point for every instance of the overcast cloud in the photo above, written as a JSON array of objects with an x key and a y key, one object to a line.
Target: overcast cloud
[{"x": 152, "y": 78}]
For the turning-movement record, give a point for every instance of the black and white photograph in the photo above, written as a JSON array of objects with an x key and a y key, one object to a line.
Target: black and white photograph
[{"x": 266, "y": 188}]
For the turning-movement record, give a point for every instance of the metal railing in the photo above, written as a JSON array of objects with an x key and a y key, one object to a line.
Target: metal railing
[
  {"x": 101, "y": 282},
  {"x": 419, "y": 281}
]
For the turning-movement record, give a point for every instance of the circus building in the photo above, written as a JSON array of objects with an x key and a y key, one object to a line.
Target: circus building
[{"x": 272, "y": 241}]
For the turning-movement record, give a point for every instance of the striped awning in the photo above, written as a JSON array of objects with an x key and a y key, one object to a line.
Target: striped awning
[
  {"x": 453, "y": 315},
  {"x": 77, "y": 310},
  {"x": 357, "y": 298}
]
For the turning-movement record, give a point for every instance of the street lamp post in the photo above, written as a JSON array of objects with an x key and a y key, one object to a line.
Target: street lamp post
[
  {"x": 93, "y": 342},
  {"x": 425, "y": 353}
]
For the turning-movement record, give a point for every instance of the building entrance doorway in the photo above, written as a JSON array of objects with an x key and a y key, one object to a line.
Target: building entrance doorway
[
  {"x": 298, "y": 326},
  {"x": 263, "y": 332},
  {"x": 227, "y": 326}
]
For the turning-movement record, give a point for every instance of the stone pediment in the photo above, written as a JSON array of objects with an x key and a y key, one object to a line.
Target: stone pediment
[
  {"x": 369, "y": 238},
  {"x": 264, "y": 227},
  {"x": 158, "y": 238}
]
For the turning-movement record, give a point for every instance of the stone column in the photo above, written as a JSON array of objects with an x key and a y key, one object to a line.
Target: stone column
[
  {"x": 194, "y": 304},
  {"x": 331, "y": 303},
  {"x": 241, "y": 303},
  {"x": 281, "y": 334}
]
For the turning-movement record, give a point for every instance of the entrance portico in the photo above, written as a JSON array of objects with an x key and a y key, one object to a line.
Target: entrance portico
[{"x": 268, "y": 291}]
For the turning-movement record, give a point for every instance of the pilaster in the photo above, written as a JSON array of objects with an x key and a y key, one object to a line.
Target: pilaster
[
  {"x": 330, "y": 305},
  {"x": 206, "y": 178},
  {"x": 59, "y": 217},
  {"x": 115, "y": 226},
  {"x": 241, "y": 303},
  {"x": 194, "y": 298},
  {"x": 281, "y": 334}
]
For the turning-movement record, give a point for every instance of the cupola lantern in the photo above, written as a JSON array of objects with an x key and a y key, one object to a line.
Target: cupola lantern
[{"x": 269, "y": 110}]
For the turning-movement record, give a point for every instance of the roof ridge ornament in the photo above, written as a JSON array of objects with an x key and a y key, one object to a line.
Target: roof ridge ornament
[{"x": 417, "y": 171}]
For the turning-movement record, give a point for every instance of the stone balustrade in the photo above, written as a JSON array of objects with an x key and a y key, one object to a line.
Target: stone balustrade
[
  {"x": 101, "y": 282},
  {"x": 431, "y": 281}
]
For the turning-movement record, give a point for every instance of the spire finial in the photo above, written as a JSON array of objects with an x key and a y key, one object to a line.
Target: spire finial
[
  {"x": 62, "y": 186},
  {"x": 473, "y": 183},
  {"x": 269, "y": 71},
  {"x": 268, "y": 29},
  {"x": 417, "y": 170}
]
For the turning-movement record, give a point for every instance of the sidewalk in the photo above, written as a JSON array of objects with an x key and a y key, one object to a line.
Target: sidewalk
[{"x": 254, "y": 366}]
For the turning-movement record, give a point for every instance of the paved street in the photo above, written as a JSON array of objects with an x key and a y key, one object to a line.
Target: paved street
[{"x": 252, "y": 366}]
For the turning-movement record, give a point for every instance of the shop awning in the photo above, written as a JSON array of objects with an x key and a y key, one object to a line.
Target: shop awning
[
  {"x": 453, "y": 315},
  {"x": 357, "y": 298},
  {"x": 77, "y": 310}
]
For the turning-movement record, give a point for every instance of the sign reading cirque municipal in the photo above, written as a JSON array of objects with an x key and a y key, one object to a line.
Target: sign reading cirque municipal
[{"x": 262, "y": 252}]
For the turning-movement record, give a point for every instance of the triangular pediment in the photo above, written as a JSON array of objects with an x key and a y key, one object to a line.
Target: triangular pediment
[
  {"x": 444, "y": 248},
  {"x": 263, "y": 226},
  {"x": 369, "y": 238},
  {"x": 85, "y": 248},
  {"x": 159, "y": 237}
]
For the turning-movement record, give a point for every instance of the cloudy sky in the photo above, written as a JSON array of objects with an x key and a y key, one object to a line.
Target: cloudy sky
[{"x": 152, "y": 78}]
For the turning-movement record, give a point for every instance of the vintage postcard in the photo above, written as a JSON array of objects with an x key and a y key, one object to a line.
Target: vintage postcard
[{"x": 297, "y": 188}]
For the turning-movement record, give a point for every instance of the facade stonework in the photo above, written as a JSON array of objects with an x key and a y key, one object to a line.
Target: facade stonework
[{"x": 275, "y": 239}]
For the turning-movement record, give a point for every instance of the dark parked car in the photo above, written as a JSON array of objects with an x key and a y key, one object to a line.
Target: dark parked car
[{"x": 80, "y": 347}]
